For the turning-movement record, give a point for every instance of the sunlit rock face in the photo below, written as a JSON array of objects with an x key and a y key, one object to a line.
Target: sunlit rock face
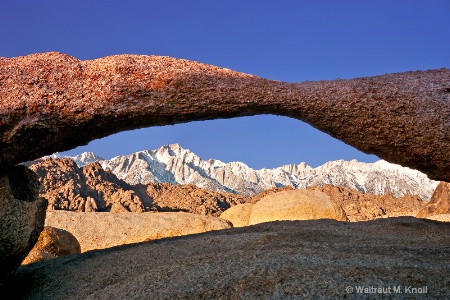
[
  {"x": 439, "y": 203},
  {"x": 53, "y": 102}
]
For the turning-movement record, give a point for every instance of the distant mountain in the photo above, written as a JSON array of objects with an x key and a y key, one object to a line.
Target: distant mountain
[
  {"x": 67, "y": 186},
  {"x": 176, "y": 165},
  {"x": 86, "y": 158},
  {"x": 92, "y": 189},
  {"x": 81, "y": 160}
]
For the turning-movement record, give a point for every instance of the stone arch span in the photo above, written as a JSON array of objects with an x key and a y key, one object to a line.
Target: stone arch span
[{"x": 54, "y": 102}]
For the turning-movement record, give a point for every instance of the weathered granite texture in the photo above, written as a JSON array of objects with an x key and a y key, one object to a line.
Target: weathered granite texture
[
  {"x": 279, "y": 260},
  {"x": 22, "y": 216},
  {"x": 53, "y": 102}
]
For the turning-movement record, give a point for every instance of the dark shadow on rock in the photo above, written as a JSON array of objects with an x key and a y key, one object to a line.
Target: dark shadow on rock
[{"x": 22, "y": 216}]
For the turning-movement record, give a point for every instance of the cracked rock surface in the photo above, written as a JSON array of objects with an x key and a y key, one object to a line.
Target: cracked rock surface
[{"x": 53, "y": 102}]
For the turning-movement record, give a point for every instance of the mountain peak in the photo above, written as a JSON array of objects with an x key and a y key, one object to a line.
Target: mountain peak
[
  {"x": 174, "y": 164},
  {"x": 174, "y": 146},
  {"x": 173, "y": 149},
  {"x": 86, "y": 158}
]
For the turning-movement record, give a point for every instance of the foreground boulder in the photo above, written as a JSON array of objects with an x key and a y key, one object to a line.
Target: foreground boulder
[
  {"x": 286, "y": 205},
  {"x": 238, "y": 215},
  {"x": 296, "y": 205},
  {"x": 278, "y": 260},
  {"x": 53, "y": 102},
  {"x": 104, "y": 230},
  {"x": 439, "y": 203},
  {"x": 52, "y": 243},
  {"x": 22, "y": 216}
]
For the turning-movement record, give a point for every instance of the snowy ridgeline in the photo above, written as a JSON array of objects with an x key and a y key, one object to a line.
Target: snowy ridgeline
[{"x": 174, "y": 164}]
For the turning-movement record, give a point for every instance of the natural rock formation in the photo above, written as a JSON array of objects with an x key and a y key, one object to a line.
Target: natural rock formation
[
  {"x": 68, "y": 187},
  {"x": 167, "y": 197},
  {"x": 439, "y": 203},
  {"x": 238, "y": 215},
  {"x": 52, "y": 243},
  {"x": 90, "y": 188},
  {"x": 357, "y": 206},
  {"x": 363, "y": 207},
  {"x": 278, "y": 260},
  {"x": 295, "y": 205},
  {"x": 52, "y": 102},
  {"x": 22, "y": 216},
  {"x": 105, "y": 230},
  {"x": 286, "y": 205}
]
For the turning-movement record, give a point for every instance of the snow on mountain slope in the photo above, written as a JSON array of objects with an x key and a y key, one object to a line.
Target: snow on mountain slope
[
  {"x": 174, "y": 164},
  {"x": 86, "y": 158}
]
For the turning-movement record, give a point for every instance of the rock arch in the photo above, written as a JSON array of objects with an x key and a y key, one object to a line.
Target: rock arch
[{"x": 53, "y": 102}]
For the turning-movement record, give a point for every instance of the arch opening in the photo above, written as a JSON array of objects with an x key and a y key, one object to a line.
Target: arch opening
[{"x": 262, "y": 141}]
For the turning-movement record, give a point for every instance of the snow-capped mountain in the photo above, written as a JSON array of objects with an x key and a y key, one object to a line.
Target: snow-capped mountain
[
  {"x": 174, "y": 164},
  {"x": 86, "y": 158},
  {"x": 81, "y": 160}
]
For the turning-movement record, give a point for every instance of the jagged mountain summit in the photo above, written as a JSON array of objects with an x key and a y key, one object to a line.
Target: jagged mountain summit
[
  {"x": 86, "y": 158},
  {"x": 81, "y": 160},
  {"x": 174, "y": 164}
]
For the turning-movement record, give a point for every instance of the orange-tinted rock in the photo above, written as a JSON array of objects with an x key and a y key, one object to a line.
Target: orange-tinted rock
[
  {"x": 295, "y": 205},
  {"x": 238, "y": 215},
  {"x": 53, "y": 242},
  {"x": 53, "y": 102},
  {"x": 86, "y": 189},
  {"x": 104, "y": 230},
  {"x": 439, "y": 203},
  {"x": 364, "y": 207},
  {"x": 167, "y": 197},
  {"x": 90, "y": 188}
]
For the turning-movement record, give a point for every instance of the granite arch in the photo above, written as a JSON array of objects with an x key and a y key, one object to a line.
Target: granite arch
[{"x": 54, "y": 102}]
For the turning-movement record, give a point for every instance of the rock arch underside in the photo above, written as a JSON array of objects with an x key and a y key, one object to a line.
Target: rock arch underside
[{"x": 53, "y": 102}]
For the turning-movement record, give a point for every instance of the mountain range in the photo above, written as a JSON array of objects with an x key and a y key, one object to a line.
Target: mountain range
[{"x": 176, "y": 165}]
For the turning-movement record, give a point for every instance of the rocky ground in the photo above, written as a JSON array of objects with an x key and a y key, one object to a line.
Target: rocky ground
[{"x": 279, "y": 260}]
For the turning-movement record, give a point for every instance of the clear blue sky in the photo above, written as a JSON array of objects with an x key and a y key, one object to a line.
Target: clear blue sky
[{"x": 284, "y": 40}]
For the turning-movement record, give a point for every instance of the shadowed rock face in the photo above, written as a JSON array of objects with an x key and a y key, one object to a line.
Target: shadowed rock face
[
  {"x": 22, "y": 216},
  {"x": 53, "y": 102}
]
